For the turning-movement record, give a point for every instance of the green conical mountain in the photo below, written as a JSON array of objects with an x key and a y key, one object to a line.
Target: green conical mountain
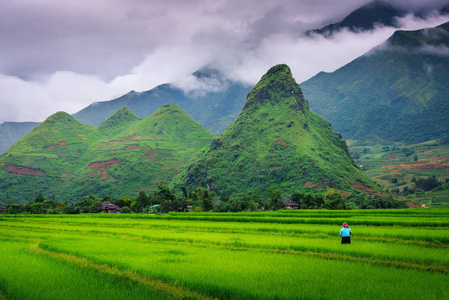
[
  {"x": 44, "y": 159},
  {"x": 276, "y": 142},
  {"x": 398, "y": 92},
  {"x": 67, "y": 160},
  {"x": 121, "y": 118}
]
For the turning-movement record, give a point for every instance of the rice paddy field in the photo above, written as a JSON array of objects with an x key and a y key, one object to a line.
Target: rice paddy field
[{"x": 394, "y": 254}]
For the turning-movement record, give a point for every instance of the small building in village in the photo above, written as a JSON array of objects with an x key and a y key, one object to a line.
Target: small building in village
[
  {"x": 111, "y": 208},
  {"x": 2, "y": 209},
  {"x": 290, "y": 204}
]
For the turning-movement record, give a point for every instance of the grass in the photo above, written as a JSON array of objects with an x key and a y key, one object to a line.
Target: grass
[
  {"x": 26, "y": 274},
  {"x": 162, "y": 256}
]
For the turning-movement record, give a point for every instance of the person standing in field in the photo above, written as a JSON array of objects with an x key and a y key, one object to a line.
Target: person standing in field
[{"x": 345, "y": 234}]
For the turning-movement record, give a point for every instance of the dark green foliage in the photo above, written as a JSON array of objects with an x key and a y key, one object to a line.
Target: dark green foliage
[
  {"x": 427, "y": 184},
  {"x": 126, "y": 210},
  {"x": 334, "y": 200},
  {"x": 39, "y": 198},
  {"x": 203, "y": 198},
  {"x": 143, "y": 200},
  {"x": 245, "y": 201},
  {"x": 395, "y": 93},
  {"x": 86, "y": 202},
  {"x": 308, "y": 200},
  {"x": 269, "y": 146},
  {"x": 274, "y": 198},
  {"x": 96, "y": 207}
]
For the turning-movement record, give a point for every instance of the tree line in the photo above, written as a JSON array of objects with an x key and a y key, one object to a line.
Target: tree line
[{"x": 200, "y": 199}]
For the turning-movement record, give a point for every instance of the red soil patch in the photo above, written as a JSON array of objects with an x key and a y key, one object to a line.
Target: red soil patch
[
  {"x": 176, "y": 174},
  {"x": 436, "y": 164},
  {"x": 130, "y": 147},
  {"x": 394, "y": 156},
  {"x": 412, "y": 204},
  {"x": 131, "y": 138},
  {"x": 379, "y": 195},
  {"x": 281, "y": 142},
  {"x": 17, "y": 170},
  {"x": 344, "y": 193},
  {"x": 103, "y": 174},
  {"x": 104, "y": 164},
  {"x": 128, "y": 139},
  {"x": 428, "y": 151},
  {"x": 361, "y": 187},
  {"x": 56, "y": 146},
  {"x": 150, "y": 153},
  {"x": 275, "y": 168}
]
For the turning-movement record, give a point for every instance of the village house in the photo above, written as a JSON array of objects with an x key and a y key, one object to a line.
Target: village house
[
  {"x": 2, "y": 209},
  {"x": 290, "y": 204},
  {"x": 110, "y": 208}
]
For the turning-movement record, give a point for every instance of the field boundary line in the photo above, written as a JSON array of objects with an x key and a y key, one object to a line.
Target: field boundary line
[
  {"x": 155, "y": 285},
  {"x": 247, "y": 247}
]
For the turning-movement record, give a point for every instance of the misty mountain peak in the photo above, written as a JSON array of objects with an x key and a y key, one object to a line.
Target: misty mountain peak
[{"x": 277, "y": 85}]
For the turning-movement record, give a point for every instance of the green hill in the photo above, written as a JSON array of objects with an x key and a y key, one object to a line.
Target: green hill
[
  {"x": 65, "y": 160},
  {"x": 276, "y": 142},
  {"x": 395, "y": 93}
]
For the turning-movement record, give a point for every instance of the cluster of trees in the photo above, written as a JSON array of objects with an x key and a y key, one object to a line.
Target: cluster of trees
[
  {"x": 40, "y": 206},
  {"x": 421, "y": 185},
  {"x": 201, "y": 199}
]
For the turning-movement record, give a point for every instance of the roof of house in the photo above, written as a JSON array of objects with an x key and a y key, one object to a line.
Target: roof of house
[
  {"x": 289, "y": 202},
  {"x": 110, "y": 205}
]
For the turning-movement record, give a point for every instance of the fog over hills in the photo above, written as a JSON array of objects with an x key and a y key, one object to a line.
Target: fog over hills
[{"x": 250, "y": 42}]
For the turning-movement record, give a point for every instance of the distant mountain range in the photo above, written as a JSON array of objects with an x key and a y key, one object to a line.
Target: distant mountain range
[
  {"x": 398, "y": 92},
  {"x": 377, "y": 13},
  {"x": 276, "y": 142},
  {"x": 215, "y": 109},
  {"x": 12, "y": 132},
  {"x": 212, "y": 109},
  {"x": 373, "y": 14}
]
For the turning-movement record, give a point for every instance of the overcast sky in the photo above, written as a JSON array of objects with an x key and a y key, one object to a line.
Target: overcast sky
[{"x": 63, "y": 55}]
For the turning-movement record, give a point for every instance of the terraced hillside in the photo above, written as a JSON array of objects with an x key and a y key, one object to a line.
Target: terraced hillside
[{"x": 65, "y": 160}]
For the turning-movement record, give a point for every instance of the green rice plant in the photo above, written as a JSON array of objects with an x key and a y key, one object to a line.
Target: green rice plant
[
  {"x": 251, "y": 260},
  {"x": 387, "y": 251},
  {"x": 27, "y": 275},
  {"x": 227, "y": 273},
  {"x": 426, "y": 234}
]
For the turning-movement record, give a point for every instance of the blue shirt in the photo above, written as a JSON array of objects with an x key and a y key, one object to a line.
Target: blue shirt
[{"x": 345, "y": 231}]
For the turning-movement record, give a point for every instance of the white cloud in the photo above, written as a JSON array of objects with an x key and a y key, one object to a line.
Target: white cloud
[{"x": 64, "y": 55}]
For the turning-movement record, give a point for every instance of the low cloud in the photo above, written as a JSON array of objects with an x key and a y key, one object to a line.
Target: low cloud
[{"x": 59, "y": 55}]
